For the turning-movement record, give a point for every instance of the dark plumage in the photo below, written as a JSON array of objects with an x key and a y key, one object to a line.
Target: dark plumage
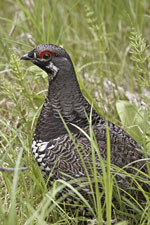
[{"x": 52, "y": 146}]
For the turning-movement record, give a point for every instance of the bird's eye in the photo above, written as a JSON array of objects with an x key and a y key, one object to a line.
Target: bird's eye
[{"x": 46, "y": 56}]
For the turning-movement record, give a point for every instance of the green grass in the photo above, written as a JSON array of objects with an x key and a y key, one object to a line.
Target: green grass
[{"x": 108, "y": 42}]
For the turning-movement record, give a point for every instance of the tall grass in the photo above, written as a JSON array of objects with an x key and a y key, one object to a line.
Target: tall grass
[{"x": 108, "y": 42}]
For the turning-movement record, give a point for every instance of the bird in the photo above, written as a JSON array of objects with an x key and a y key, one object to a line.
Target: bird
[{"x": 61, "y": 143}]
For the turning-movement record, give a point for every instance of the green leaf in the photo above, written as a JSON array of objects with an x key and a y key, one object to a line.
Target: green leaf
[{"x": 133, "y": 119}]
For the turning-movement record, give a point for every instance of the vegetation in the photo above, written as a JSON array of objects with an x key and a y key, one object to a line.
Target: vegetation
[{"x": 108, "y": 42}]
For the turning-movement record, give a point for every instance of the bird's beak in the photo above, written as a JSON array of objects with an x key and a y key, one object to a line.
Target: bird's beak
[{"x": 26, "y": 57}]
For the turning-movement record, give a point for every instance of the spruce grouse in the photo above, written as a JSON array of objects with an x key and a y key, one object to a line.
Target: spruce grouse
[{"x": 53, "y": 148}]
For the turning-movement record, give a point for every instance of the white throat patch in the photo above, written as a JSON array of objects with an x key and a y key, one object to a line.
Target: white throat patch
[{"x": 53, "y": 68}]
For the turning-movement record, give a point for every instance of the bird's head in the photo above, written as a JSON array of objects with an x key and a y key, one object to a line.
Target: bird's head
[{"x": 48, "y": 57}]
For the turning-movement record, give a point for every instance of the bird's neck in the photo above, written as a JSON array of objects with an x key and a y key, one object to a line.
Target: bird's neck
[
  {"x": 64, "y": 93},
  {"x": 64, "y": 97}
]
